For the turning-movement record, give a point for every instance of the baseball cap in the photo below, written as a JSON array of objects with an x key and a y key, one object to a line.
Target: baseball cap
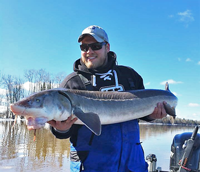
[{"x": 97, "y": 32}]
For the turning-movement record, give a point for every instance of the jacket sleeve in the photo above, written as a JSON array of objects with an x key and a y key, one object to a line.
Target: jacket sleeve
[
  {"x": 72, "y": 81},
  {"x": 59, "y": 134}
]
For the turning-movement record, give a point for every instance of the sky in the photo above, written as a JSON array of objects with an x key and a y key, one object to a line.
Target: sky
[{"x": 160, "y": 39}]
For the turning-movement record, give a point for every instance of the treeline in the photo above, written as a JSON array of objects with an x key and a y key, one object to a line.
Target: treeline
[
  {"x": 16, "y": 88},
  {"x": 178, "y": 121}
]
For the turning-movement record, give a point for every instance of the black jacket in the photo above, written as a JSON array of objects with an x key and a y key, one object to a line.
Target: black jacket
[
  {"x": 112, "y": 77},
  {"x": 101, "y": 78}
]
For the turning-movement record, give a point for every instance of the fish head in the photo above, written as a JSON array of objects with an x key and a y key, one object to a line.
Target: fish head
[{"x": 41, "y": 107}]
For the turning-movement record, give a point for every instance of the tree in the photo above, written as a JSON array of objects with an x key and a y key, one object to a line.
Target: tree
[
  {"x": 58, "y": 78},
  {"x": 1, "y": 94},
  {"x": 14, "y": 91},
  {"x": 18, "y": 91},
  {"x": 29, "y": 75}
]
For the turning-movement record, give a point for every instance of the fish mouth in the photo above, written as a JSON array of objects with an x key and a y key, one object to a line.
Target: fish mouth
[
  {"x": 32, "y": 122},
  {"x": 35, "y": 123},
  {"x": 18, "y": 110}
]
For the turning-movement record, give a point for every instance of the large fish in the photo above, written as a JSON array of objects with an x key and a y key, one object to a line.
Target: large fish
[{"x": 92, "y": 108}]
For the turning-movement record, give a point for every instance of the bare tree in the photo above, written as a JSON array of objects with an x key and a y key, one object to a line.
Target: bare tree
[
  {"x": 1, "y": 86},
  {"x": 40, "y": 76},
  {"x": 1, "y": 98},
  {"x": 58, "y": 78},
  {"x": 42, "y": 80},
  {"x": 38, "y": 80},
  {"x": 18, "y": 91},
  {"x": 14, "y": 91},
  {"x": 47, "y": 81},
  {"x": 29, "y": 75},
  {"x": 8, "y": 85}
]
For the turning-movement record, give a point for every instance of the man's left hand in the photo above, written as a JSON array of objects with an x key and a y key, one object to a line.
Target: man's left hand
[{"x": 159, "y": 111}]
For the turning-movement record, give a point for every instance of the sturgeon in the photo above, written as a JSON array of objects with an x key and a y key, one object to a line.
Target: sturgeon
[{"x": 92, "y": 108}]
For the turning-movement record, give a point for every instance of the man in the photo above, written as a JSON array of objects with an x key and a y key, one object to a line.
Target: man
[{"x": 118, "y": 148}]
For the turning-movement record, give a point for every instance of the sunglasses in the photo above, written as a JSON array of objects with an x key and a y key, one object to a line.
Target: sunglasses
[{"x": 93, "y": 46}]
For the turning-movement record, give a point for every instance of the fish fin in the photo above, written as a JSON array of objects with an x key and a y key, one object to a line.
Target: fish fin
[
  {"x": 170, "y": 110},
  {"x": 91, "y": 120},
  {"x": 167, "y": 86}
]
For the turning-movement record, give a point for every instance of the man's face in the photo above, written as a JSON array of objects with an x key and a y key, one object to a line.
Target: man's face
[{"x": 94, "y": 58}]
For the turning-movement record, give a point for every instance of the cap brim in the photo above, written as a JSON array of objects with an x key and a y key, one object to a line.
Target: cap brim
[
  {"x": 94, "y": 36},
  {"x": 81, "y": 37}
]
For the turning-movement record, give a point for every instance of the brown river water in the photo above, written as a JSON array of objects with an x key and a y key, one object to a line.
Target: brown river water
[{"x": 19, "y": 153}]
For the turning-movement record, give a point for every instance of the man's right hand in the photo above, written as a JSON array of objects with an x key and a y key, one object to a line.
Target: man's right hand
[{"x": 63, "y": 125}]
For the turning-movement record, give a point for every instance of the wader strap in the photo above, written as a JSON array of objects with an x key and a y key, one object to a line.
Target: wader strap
[
  {"x": 86, "y": 82},
  {"x": 91, "y": 138},
  {"x": 131, "y": 83},
  {"x": 82, "y": 155},
  {"x": 89, "y": 87}
]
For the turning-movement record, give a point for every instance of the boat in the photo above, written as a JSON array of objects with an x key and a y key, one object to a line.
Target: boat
[{"x": 185, "y": 154}]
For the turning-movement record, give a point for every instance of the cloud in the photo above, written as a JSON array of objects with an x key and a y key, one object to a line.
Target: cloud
[
  {"x": 148, "y": 83},
  {"x": 186, "y": 17},
  {"x": 193, "y": 104},
  {"x": 188, "y": 60},
  {"x": 194, "y": 114},
  {"x": 171, "y": 81},
  {"x": 175, "y": 94},
  {"x": 198, "y": 63}
]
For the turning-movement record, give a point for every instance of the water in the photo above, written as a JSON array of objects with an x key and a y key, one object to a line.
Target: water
[{"x": 19, "y": 153}]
